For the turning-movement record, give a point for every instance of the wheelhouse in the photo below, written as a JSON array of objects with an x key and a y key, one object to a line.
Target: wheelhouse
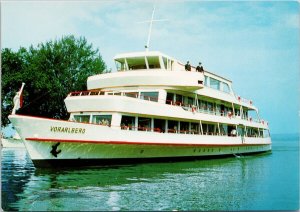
[{"x": 144, "y": 61}]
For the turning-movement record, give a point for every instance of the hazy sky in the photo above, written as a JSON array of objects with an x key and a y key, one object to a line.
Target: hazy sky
[{"x": 255, "y": 44}]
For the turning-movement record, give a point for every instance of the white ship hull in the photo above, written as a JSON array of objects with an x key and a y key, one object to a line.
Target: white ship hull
[
  {"x": 11, "y": 143},
  {"x": 56, "y": 142}
]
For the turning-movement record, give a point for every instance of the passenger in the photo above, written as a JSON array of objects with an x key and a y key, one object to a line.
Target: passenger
[
  {"x": 199, "y": 68},
  {"x": 188, "y": 66},
  {"x": 233, "y": 132}
]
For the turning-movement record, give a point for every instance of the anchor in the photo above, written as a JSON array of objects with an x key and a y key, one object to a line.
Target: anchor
[{"x": 54, "y": 150}]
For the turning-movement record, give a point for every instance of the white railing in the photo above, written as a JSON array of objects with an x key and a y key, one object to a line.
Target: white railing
[
  {"x": 187, "y": 107},
  {"x": 247, "y": 101}
]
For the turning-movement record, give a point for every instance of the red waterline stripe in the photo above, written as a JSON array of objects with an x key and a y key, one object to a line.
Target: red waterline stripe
[{"x": 131, "y": 143}]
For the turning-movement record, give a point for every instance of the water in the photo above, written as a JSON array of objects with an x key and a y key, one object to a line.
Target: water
[{"x": 268, "y": 181}]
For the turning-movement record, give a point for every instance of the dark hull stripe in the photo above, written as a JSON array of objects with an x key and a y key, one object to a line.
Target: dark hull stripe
[{"x": 124, "y": 161}]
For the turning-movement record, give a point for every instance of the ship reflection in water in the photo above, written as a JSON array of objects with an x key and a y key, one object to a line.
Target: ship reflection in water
[{"x": 261, "y": 182}]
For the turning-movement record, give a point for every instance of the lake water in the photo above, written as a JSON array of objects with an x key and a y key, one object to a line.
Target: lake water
[{"x": 268, "y": 181}]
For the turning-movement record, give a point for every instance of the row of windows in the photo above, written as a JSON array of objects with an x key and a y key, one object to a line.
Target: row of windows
[
  {"x": 150, "y": 96},
  {"x": 95, "y": 119},
  {"x": 204, "y": 106},
  {"x": 136, "y": 63},
  {"x": 172, "y": 126}
]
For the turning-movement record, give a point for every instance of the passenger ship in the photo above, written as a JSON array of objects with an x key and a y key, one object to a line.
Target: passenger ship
[{"x": 151, "y": 109}]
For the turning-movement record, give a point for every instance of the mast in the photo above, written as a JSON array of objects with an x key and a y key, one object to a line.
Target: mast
[{"x": 150, "y": 27}]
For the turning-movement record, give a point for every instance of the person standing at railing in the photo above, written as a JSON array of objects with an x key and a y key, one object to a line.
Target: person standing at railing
[
  {"x": 199, "y": 68},
  {"x": 187, "y": 66}
]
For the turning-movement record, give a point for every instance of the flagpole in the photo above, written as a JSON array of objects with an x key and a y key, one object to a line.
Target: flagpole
[
  {"x": 150, "y": 29},
  {"x": 22, "y": 87}
]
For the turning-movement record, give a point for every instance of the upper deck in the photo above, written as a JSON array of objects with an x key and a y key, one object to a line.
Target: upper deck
[
  {"x": 148, "y": 68},
  {"x": 153, "y": 68}
]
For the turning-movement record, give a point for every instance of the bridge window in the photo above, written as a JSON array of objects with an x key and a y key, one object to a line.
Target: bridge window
[
  {"x": 136, "y": 63},
  {"x": 153, "y": 62},
  {"x": 120, "y": 64},
  {"x": 166, "y": 63}
]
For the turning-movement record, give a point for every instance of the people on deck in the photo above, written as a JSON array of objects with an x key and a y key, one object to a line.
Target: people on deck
[
  {"x": 188, "y": 66},
  {"x": 199, "y": 68}
]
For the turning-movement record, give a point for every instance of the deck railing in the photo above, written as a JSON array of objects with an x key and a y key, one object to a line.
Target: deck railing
[
  {"x": 187, "y": 107},
  {"x": 241, "y": 99}
]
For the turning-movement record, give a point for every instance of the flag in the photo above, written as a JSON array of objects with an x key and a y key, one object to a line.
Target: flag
[{"x": 18, "y": 99}]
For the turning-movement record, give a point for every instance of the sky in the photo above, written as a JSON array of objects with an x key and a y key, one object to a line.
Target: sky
[{"x": 253, "y": 43}]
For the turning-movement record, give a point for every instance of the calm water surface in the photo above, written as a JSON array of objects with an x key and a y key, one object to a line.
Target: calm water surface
[{"x": 259, "y": 182}]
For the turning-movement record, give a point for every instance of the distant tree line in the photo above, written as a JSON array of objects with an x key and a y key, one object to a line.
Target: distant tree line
[{"x": 50, "y": 71}]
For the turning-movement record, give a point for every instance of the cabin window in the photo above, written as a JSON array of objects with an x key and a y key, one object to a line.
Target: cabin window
[
  {"x": 159, "y": 125},
  {"x": 265, "y": 133},
  {"x": 210, "y": 106},
  {"x": 170, "y": 97},
  {"x": 135, "y": 63},
  {"x": 102, "y": 119},
  {"x": 245, "y": 114},
  {"x": 231, "y": 130},
  {"x": 144, "y": 124},
  {"x": 151, "y": 96},
  {"x": 252, "y": 132},
  {"x": 215, "y": 84},
  {"x": 194, "y": 128},
  {"x": 131, "y": 94},
  {"x": 82, "y": 118},
  {"x": 226, "y": 87},
  {"x": 206, "y": 81},
  {"x": 209, "y": 129},
  {"x": 190, "y": 101},
  {"x": 218, "y": 109},
  {"x": 223, "y": 129},
  {"x": 184, "y": 127},
  {"x": 179, "y": 99},
  {"x": 153, "y": 62},
  {"x": 128, "y": 123},
  {"x": 241, "y": 130},
  {"x": 172, "y": 126},
  {"x": 203, "y": 105}
]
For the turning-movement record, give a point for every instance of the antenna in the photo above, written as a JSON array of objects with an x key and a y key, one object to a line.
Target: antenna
[{"x": 150, "y": 27}]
